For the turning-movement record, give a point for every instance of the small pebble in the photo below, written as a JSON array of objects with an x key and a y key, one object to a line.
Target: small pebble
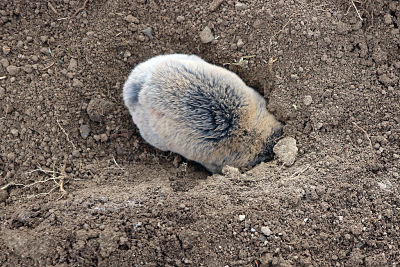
[
  {"x": 180, "y": 18},
  {"x": 266, "y": 231},
  {"x": 103, "y": 137},
  {"x": 11, "y": 156},
  {"x": 27, "y": 68},
  {"x": 44, "y": 38},
  {"x": 14, "y": 132},
  {"x": 75, "y": 153},
  {"x": 73, "y": 64},
  {"x": 388, "y": 19},
  {"x": 3, "y": 195},
  {"x": 12, "y": 70},
  {"x": 84, "y": 130},
  {"x": 242, "y": 217},
  {"x": 132, "y": 19},
  {"x": 20, "y": 43},
  {"x": 147, "y": 32},
  {"x": 77, "y": 83},
  {"x": 127, "y": 54},
  {"x": 45, "y": 50},
  {"x": 4, "y": 62},
  {"x": 382, "y": 186},
  {"x": 307, "y": 100},
  {"x": 240, "y": 43},
  {"x": 215, "y": 4},
  {"x": 206, "y": 35},
  {"x": 240, "y": 6}
]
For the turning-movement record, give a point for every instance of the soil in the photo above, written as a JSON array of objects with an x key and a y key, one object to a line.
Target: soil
[{"x": 80, "y": 187}]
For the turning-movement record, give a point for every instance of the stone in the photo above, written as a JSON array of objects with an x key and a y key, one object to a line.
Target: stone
[
  {"x": 44, "y": 38},
  {"x": 77, "y": 83},
  {"x": 3, "y": 195},
  {"x": 132, "y": 19},
  {"x": 73, "y": 64},
  {"x": 45, "y": 50},
  {"x": 215, "y": 4},
  {"x": 12, "y": 70},
  {"x": 4, "y": 62},
  {"x": 84, "y": 129},
  {"x": 307, "y": 100},
  {"x": 180, "y": 18},
  {"x": 206, "y": 35},
  {"x": 147, "y": 32},
  {"x": 388, "y": 19},
  {"x": 240, "y": 6},
  {"x": 266, "y": 231},
  {"x": 240, "y": 43},
  {"x": 286, "y": 151}
]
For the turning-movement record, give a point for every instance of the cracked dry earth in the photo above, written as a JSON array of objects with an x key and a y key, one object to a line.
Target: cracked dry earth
[{"x": 81, "y": 188}]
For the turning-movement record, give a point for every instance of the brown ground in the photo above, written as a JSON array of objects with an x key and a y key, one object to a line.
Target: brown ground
[{"x": 128, "y": 204}]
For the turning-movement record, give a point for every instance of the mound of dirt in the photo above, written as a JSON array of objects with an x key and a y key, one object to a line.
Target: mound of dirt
[{"x": 80, "y": 187}]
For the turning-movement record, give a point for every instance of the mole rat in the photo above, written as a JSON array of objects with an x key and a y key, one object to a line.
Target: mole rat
[{"x": 206, "y": 113}]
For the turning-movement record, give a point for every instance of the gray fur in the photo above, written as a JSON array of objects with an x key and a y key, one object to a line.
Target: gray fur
[{"x": 181, "y": 103}]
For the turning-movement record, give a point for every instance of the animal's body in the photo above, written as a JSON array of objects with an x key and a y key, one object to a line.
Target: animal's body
[{"x": 207, "y": 114}]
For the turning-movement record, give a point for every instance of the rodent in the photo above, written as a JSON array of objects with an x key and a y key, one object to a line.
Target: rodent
[{"x": 204, "y": 112}]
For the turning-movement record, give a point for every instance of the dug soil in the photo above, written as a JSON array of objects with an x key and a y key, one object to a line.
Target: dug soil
[{"x": 80, "y": 187}]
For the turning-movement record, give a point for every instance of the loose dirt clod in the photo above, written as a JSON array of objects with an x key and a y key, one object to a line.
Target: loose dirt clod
[
  {"x": 286, "y": 151},
  {"x": 98, "y": 108}
]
